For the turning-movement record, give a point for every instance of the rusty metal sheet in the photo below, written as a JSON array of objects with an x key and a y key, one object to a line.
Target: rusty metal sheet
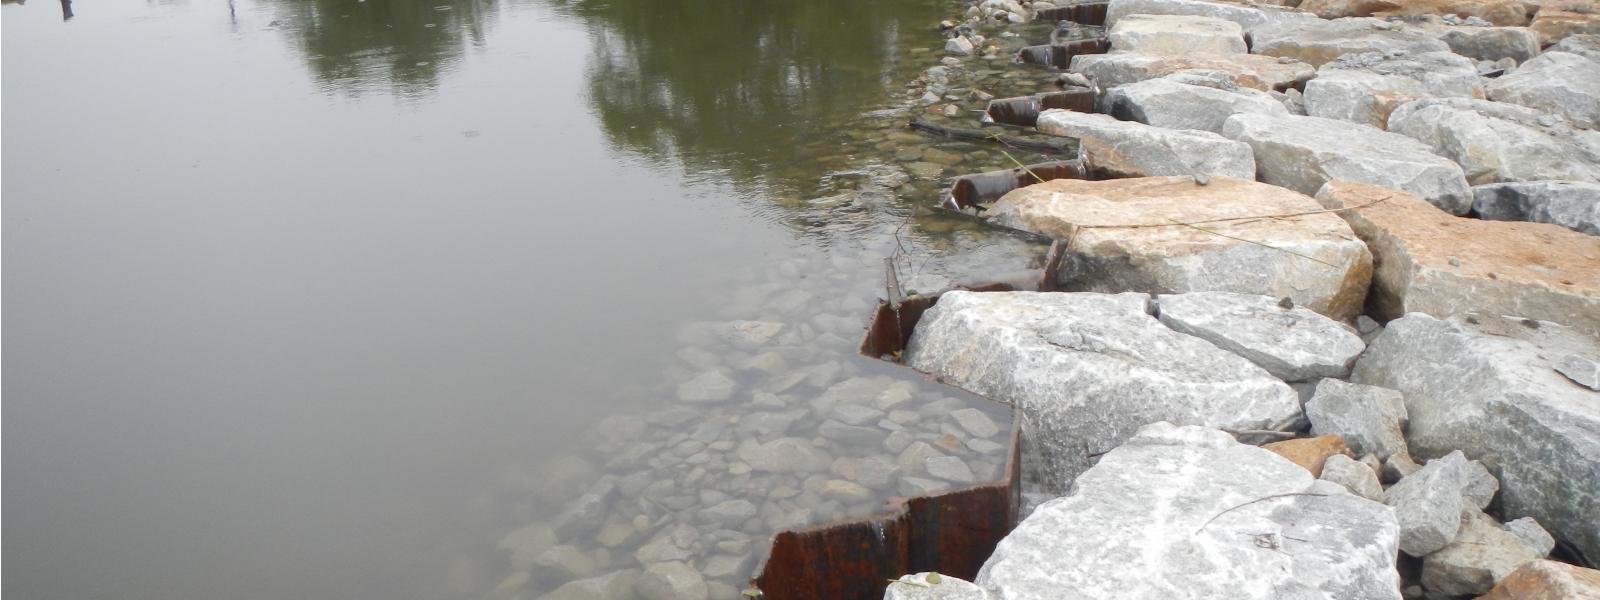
[
  {"x": 1024, "y": 111},
  {"x": 1060, "y": 55},
  {"x": 969, "y": 191}
]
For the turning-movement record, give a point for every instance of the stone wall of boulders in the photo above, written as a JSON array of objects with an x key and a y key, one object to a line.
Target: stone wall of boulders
[{"x": 1335, "y": 322}]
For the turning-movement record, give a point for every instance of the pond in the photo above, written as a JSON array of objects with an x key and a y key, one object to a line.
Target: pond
[{"x": 466, "y": 298}]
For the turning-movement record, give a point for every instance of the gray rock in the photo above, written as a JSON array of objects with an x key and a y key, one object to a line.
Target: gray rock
[
  {"x": 783, "y": 455},
  {"x": 1353, "y": 475},
  {"x": 1533, "y": 536},
  {"x": 975, "y": 422},
  {"x": 1248, "y": 17},
  {"x": 617, "y": 585},
  {"x": 727, "y": 566},
  {"x": 1176, "y": 34},
  {"x": 1586, "y": 45},
  {"x": 1489, "y": 43},
  {"x": 1570, "y": 204},
  {"x": 1488, "y": 389},
  {"x": 1495, "y": 142},
  {"x": 1165, "y": 102},
  {"x": 958, "y": 46},
  {"x": 913, "y": 457},
  {"x": 1367, "y": 417},
  {"x": 1317, "y": 42},
  {"x": 769, "y": 423},
  {"x": 1086, "y": 370},
  {"x": 670, "y": 581},
  {"x": 1187, "y": 512},
  {"x": 1555, "y": 82},
  {"x": 668, "y": 546},
  {"x": 707, "y": 387},
  {"x": 1479, "y": 485},
  {"x": 1251, "y": 71},
  {"x": 845, "y": 491},
  {"x": 562, "y": 563},
  {"x": 851, "y": 434},
  {"x": 919, "y": 486},
  {"x": 1428, "y": 504},
  {"x": 1293, "y": 344},
  {"x": 1367, "y": 88},
  {"x": 1482, "y": 554},
  {"x": 1132, "y": 149},
  {"x": 1398, "y": 466},
  {"x": 1303, "y": 153},
  {"x": 856, "y": 414},
  {"x": 1582, "y": 370},
  {"x": 942, "y": 587},
  {"x": 949, "y": 468},
  {"x": 587, "y": 512}
]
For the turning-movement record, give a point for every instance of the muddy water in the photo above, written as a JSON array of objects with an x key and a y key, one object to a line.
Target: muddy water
[{"x": 336, "y": 299}]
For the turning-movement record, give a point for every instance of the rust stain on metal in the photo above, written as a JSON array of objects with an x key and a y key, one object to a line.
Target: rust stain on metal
[
  {"x": 968, "y": 191},
  {"x": 1024, "y": 111},
  {"x": 1060, "y": 55}
]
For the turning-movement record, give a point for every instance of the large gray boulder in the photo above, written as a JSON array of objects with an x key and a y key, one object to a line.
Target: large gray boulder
[
  {"x": 1292, "y": 343},
  {"x": 1087, "y": 370},
  {"x": 1556, "y": 82},
  {"x": 1365, "y": 88},
  {"x": 1317, "y": 41},
  {"x": 1431, "y": 262},
  {"x": 1248, "y": 17},
  {"x": 1495, "y": 141},
  {"x": 1187, "y": 512},
  {"x": 1368, "y": 418},
  {"x": 1165, "y": 102},
  {"x": 1488, "y": 43},
  {"x": 1586, "y": 45},
  {"x": 1482, "y": 554},
  {"x": 1488, "y": 388},
  {"x": 1570, "y": 204},
  {"x": 1130, "y": 149},
  {"x": 1303, "y": 153},
  {"x": 1428, "y": 504},
  {"x": 1244, "y": 70},
  {"x": 1176, "y": 34},
  {"x": 1172, "y": 235}
]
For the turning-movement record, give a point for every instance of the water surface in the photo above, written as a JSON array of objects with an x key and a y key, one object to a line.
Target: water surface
[{"x": 299, "y": 289}]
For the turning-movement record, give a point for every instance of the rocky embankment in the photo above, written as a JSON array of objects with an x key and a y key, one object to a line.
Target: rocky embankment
[{"x": 1334, "y": 327}]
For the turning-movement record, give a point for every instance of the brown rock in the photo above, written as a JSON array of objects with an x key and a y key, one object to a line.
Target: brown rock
[
  {"x": 1334, "y": 9},
  {"x": 1505, "y": 13},
  {"x": 1547, "y": 580},
  {"x": 1128, "y": 235},
  {"x": 1425, "y": 260},
  {"x": 1310, "y": 453}
]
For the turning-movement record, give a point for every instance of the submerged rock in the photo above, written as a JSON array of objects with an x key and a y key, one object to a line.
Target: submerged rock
[
  {"x": 1554, "y": 82},
  {"x": 1252, "y": 71},
  {"x": 1303, "y": 153},
  {"x": 1496, "y": 142},
  {"x": 1293, "y": 344},
  {"x": 1428, "y": 261},
  {"x": 1187, "y": 512},
  {"x": 1489, "y": 43},
  {"x": 1571, "y": 204},
  {"x": 1130, "y": 149},
  {"x": 1087, "y": 370},
  {"x": 1166, "y": 102},
  {"x": 1489, "y": 389},
  {"x": 1176, "y": 34},
  {"x": 1313, "y": 259},
  {"x": 1318, "y": 42}
]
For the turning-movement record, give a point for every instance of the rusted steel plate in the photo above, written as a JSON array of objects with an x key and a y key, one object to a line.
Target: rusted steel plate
[
  {"x": 1087, "y": 13},
  {"x": 951, "y": 533},
  {"x": 982, "y": 188},
  {"x": 1024, "y": 111},
  {"x": 1060, "y": 55}
]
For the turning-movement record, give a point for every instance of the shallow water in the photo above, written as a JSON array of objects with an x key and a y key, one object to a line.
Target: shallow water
[{"x": 326, "y": 299}]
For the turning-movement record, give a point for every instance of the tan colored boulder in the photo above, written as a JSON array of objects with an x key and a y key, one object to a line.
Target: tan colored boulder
[
  {"x": 1310, "y": 453},
  {"x": 1554, "y": 25},
  {"x": 1505, "y": 13},
  {"x": 1252, "y": 71},
  {"x": 1547, "y": 580},
  {"x": 1428, "y": 261},
  {"x": 1130, "y": 235},
  {"x": 1334, "y": 9}
]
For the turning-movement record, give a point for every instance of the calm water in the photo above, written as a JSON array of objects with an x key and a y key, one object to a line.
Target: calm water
[{"x": 307, "y": 298}]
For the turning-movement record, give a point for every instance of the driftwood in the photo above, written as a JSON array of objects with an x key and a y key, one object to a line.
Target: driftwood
[{"x": 1063, "y": 146}]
